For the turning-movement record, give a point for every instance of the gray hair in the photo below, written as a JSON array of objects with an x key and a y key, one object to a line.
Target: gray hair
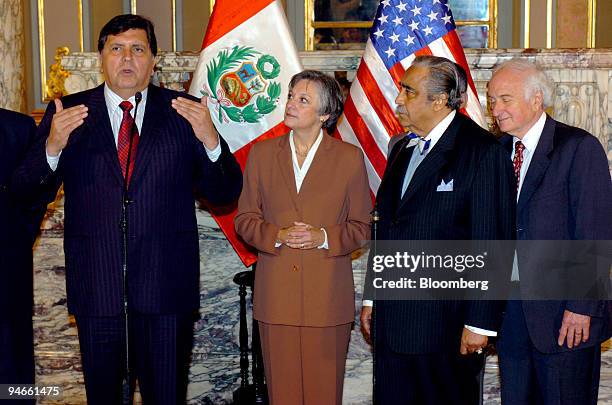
[
  {"x": 330, "y": 95},
  {"x": 445, "y": 77},
  {"x": 535, "y": 81}
]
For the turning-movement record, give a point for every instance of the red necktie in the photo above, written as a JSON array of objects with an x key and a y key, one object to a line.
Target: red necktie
[
  {"x": 123, "y": 140},
  {"x": 518, "y": 161}
]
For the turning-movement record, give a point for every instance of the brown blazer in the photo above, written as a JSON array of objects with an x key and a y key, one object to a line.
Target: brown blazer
[{"x": 304, "y": 287}]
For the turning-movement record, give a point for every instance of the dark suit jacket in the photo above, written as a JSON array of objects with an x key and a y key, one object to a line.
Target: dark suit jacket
[
  {"x": 163, "y": 273},
  {"x": 305, "y": 287},
  {"x": 480, "y": 207},
  {"x": 19, "y": 221},
  {"x": 566, "y": 195}
]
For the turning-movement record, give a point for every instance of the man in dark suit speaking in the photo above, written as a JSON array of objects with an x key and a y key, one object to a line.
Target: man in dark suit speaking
[
  {"x": 549, "y": 351},
  {"x": 19, "y": 224},
  {"x": 84, "y": 143},
  {"x": 430, "y": 352}
]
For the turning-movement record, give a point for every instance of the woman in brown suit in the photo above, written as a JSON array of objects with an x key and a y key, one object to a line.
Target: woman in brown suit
[{"x": 305, "y": 207}]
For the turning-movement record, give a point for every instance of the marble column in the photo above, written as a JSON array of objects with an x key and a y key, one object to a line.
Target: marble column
[{"x": 12, "y": 56}]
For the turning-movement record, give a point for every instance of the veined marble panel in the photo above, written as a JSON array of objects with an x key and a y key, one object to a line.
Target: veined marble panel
[{"x": 12, "y": 43}]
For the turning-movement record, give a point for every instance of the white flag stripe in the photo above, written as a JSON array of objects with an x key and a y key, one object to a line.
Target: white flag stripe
[
  {"x": 349, "y": 136},
  {"x": 255, "y": 32},
  {"x": 377, "y": 68},
  {"x": 369, "y": 116},
  {"x": 474, "y": 109},
  {"x": 407, "y": 61}
]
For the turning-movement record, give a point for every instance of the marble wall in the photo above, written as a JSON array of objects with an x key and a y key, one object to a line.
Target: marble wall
[
  {"x": 583, "y": 79},
  {"x": 12, "y": 53}
]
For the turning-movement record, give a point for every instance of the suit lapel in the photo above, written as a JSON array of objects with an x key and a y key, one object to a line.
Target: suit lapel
[
  {"x": 154, "y": 115},
  {"x": 99, "y": 128},
  {"x": 285, "y": 165},
  {"x": 539, "y": 163},
  {"x": 435, "y": 160}
]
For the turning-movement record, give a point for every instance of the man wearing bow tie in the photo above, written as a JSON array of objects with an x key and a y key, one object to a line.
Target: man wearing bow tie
[
  {"x": 451, "y": 182},
  {"x": 549, "y": 351},
  {"x": 84, "y": 142}
]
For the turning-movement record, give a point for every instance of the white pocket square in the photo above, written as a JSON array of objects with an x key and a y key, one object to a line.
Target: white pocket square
[{"x": 445, "y": 186}]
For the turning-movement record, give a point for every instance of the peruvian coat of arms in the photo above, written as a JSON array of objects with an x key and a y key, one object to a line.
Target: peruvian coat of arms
[{"x": 240, "y": 84}]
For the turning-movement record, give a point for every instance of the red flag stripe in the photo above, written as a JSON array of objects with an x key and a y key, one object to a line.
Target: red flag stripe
[
  {"x": 225, "y": 220},
  {"x": 424, "y": 51},
  {"x": 348, "y": 135},
  {"x": 378, "y": 101},
  {"x": 240, "y": 11},
  {"x": 242, "y": 153},
  {"x": 382, "y": 77},
  {"x": 363, "y": 135},
  {"x": 370, "y": 119},
  {"x": 397, "y": 72}
]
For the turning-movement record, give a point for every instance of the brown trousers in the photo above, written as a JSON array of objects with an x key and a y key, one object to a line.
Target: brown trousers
[{"x": 304, "y": 365}]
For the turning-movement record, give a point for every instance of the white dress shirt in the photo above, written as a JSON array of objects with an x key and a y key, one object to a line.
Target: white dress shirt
[
  {"x": 115, "y": 114},
  {"x": 299, "y": 173},
  {"x": 530, "y": 141},
  {"x": 417, "y": 154}
]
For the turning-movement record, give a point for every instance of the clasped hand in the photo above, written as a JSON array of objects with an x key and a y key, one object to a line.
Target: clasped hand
[{"x": 301, "y": 236}]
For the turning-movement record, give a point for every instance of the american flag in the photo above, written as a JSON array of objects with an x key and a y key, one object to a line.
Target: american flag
[{"x": 402, "y": 30}]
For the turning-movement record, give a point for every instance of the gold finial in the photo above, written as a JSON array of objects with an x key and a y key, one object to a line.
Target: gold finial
[{"x": 57, "y": 75}]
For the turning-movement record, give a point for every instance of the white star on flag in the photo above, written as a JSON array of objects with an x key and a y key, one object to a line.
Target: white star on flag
[
  {"x": 386, "y": 3},
  {"x": 414, "y": 25},
  {"x": 379, "y": 33},
  {"x": 398, "y": 20},
  {"x": 416, "y": 10},
  {"x": 401, "y": 6},
  {"x": 432, "y": 16},
  {"x": 394, "y": 38},
  {"x": 434, "y": 1},
  {"x": 390, "y": 52},
  {"x": 447, "y": 19},
  {"x": 428, "y": 30},
  {"x": 409, "y": 40},
  {"x": 382, "y": 19}
]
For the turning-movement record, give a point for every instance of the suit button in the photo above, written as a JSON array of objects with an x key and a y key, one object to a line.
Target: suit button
[{"x": 295, "y": 268}]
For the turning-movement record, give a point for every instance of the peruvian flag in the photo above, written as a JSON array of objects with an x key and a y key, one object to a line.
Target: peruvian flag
[{"x": 248, "y": 57}]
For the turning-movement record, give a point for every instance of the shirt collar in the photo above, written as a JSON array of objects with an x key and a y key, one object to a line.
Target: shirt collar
[
  {"x": 313, "y": 148},
  {"x": 436, "y": 133},
  {"x": 113, "y": 100},
  {"x": 532, "y": 137}
]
